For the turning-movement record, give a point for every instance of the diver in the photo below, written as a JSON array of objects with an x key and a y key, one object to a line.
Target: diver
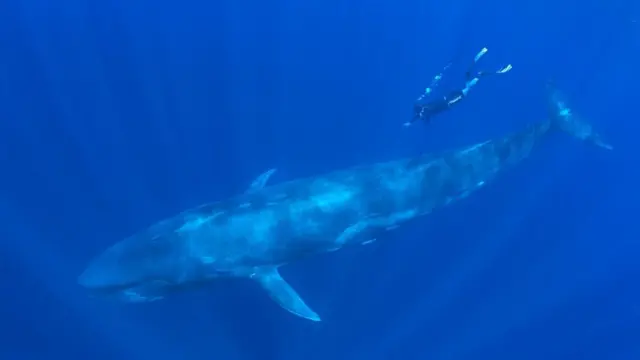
[{"x": 426, "y": 110}]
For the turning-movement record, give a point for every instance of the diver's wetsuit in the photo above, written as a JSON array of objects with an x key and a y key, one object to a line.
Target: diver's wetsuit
[{"x": 425, "y": 111}]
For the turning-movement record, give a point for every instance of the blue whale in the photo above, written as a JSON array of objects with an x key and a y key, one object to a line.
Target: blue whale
[{"x": 252, "y": 234}]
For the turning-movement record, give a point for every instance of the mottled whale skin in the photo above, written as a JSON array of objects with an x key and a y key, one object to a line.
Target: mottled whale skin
[{"x": 252, "y": 234}]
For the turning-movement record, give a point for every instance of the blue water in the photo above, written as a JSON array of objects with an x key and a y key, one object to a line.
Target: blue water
[{"x": 115, "y": 114}]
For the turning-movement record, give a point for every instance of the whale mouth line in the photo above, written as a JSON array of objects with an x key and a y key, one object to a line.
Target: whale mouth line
[
  {"x": 131, "y": 292},
  {"x": 108, "y": 289},
  {"x": 97, "y": 283},
  {"x": 144, "y": 290}
]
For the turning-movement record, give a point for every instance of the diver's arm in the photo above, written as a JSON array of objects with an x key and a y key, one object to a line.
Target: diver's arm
[{"x": 419, "y": 112}]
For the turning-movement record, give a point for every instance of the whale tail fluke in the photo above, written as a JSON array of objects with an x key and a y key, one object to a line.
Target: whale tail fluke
[{"x": 566, "y": 120}]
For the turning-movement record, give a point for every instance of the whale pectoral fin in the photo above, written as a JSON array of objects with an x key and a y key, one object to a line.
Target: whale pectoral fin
[
  {"x": 284, "y": 294},
  {"x": 261, "y": 180}
]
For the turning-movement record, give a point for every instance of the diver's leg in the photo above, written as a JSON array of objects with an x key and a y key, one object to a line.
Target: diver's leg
[
  {"x": 469, "y": 84},
  {"x": 478, "y": 56},
  {"x": 505, "y": 69},
  {"x": 473, "y": 81}
]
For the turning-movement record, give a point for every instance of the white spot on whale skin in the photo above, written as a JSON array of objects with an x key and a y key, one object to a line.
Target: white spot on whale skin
[
  {"x": 351, "y": 232},
  {"x": 330, "y": 200},
  {"x": 197, "y": 222},
  {"x": 400, "y": 216},
  {"x": 474, "y": 147},
  {"x": 134, "y": 297}
]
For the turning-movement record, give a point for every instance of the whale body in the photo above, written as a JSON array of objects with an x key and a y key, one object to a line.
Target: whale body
[{"x": 252, "y": 234}]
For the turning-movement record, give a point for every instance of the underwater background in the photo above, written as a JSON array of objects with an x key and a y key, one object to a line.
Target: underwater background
[{"x": 115, "y": 114}]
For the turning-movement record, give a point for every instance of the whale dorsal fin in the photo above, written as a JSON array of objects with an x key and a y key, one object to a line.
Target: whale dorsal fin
[
  {"x": 283, "y": 293},
  {"x": 261, "y": 180}
]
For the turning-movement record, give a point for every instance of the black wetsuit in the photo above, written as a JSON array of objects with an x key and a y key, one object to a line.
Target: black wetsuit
[{"x": 426, "y": 111}]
